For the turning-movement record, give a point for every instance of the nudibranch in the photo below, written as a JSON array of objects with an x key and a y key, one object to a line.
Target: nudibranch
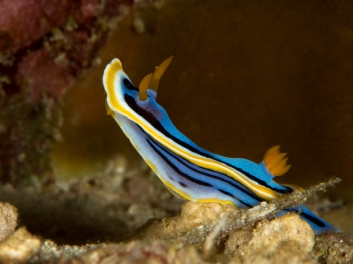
[{"x": 187, "y": 170}]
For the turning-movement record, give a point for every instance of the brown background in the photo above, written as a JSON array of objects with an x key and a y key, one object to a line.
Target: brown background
[{"x": 246, "y": 75}]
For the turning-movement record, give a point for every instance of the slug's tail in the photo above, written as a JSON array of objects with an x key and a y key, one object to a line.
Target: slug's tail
[{"x": 317, "y": 224}]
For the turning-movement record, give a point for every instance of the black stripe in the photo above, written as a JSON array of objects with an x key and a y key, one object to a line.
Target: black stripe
[
  {"x": 157, "y": 125},
  {"x": 312, "y": 219},
  {"x": 183, "y": 184},
  {"x": 229, "y": 194},
  {"x": 241, "y": 187},
  {"x": 129, "y": 85},
  {"x": 149, "y": 141},
  {"x": 176, "y": 169},
  {"x": 187, "y": 164}
]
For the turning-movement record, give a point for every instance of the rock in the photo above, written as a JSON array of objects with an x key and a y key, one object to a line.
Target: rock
[
  {"x": 8, "y": 220},
  {"x": 156, "y": 252},
  {"x": 196, "y": 221},
  {"x": 19, "y": 247},
  {"x": 269, "y": 236}
]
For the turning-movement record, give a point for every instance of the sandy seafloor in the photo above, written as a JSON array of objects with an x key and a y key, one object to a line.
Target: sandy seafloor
[{"x": 127, "y": 216}]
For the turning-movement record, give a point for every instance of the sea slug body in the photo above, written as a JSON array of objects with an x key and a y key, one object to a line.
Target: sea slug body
[{"x": 187, "y": 170}]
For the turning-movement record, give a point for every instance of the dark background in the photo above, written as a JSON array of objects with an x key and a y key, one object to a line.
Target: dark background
[{"x": 246, "y": 75}]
